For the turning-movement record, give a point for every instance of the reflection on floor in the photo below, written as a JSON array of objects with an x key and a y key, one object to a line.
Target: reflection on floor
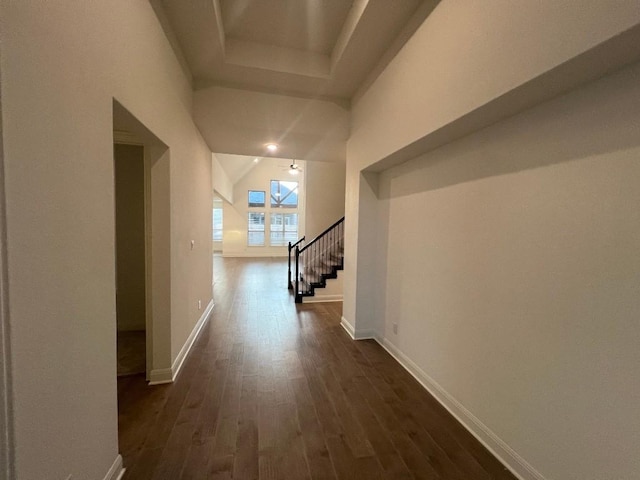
[
  {"x": 131, "y": 353},
  {"x": 274, "y": 390}
]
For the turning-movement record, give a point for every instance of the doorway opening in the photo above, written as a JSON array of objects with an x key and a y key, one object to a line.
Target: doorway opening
[
  {"x": 143, "y": 239},
  {"x": 130, "y": 259}
]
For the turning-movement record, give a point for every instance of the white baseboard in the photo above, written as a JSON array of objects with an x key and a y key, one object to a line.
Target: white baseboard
[
  {"x": 159, "y": 376},
  {"x": 255, "y": 255},
  {"x": 348, "y": 327},
  {"x": 358, "y": 334},
  {"x": 366, "y": 335},
  {"x": 186, "y": 348},
  {"x": 322, "y": 298},
  {"x": 507, "y": 456},
  {"x": 116, "y": 472},
  {"x": 168, "y": 375}
]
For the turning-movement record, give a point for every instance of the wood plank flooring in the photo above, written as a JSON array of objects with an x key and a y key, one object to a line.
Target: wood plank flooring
[{"x": 273, "y": 390}]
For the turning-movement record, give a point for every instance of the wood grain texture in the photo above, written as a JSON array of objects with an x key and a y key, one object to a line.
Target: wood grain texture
[{"x": 277, "y": 391}]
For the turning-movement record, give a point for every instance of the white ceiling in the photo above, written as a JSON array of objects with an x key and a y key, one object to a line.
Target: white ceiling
[
  {"x": 314, "y": 48},
  {"x": 238, "y": 166},
  {"x": 283, "y": 71},
  {"x": 306, "y": 25}
]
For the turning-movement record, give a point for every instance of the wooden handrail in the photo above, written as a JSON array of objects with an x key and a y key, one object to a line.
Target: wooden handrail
[{"x": 294, "y": 244}]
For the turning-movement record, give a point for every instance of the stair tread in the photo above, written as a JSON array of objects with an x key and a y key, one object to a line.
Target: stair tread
[{"x": 321, "y": 260}]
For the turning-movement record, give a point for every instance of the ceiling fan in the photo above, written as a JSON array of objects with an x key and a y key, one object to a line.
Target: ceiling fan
[{"x": 294, "y": 168}]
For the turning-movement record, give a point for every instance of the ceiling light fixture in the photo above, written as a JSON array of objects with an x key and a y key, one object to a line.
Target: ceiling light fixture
[
  {"x": 294, "y": 168},
  {"x": 272, "y": 147}
]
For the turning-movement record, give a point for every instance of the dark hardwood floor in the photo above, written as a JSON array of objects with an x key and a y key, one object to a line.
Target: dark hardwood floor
[{"x": 274, "y": 390}]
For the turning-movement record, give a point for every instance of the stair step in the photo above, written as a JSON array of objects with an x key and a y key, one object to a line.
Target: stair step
[{"x": 320, "y": 260}]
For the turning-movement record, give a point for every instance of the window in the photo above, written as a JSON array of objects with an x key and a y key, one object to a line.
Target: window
[
  {"x": 217, "y": 224},
  {"x": 284, "y": 194},
  {"x": 255, "y": 234},
  {"x": 284, "y": 229},
  {"x": 256, "y": 198},
  {"x": 281, "y": 228}
]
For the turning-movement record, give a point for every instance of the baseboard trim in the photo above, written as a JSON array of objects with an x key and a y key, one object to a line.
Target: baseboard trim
[
  {"x": 366, "y": 335},
  {"x": 186, "y": 348},
  {"x": 168, "y": 375},
  {"x": 505, "y": 454},
  {"x": 347, "y": 327},
  {"x": 116, "y": 472},
  {"x": 285, "y": 254},
  {"x": 322, "y": 298},
  {"x": 357, "y": 334},
  {"x": 160, "y": 376}
]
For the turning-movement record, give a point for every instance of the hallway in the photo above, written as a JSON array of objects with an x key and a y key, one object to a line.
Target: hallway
[{"x": 274, "y": 390}]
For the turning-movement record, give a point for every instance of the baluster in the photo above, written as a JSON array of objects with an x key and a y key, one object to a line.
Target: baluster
[
  {"x": 321, "y": 259},
  {"x": 317, "y": 259},
  {"x": 289, "y": 286},
  {"x": 298, "y": 298}
]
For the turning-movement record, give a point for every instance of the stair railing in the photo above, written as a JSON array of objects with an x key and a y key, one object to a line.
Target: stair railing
[
  {"x": 318, "y": 260},
  {"x": 291, "y": 247}
]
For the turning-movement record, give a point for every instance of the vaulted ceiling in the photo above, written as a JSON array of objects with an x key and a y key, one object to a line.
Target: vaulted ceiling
[
  {"x": 284, "y": 71},
  {"x": 318, "y": 48}
]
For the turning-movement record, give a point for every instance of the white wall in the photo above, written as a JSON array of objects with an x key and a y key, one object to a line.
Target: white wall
[
  {"x": 468, "y": 65},
  {"x": 322, "y": 190},
  {"x": 487, "y": 218},
  {"x": 325, "y": 190},
  {"x": 469, "y": 53},
  {"x": 514, "y": 277},
  {"x": 241, "y": 122},
  {"x": 235, "y": 215},
  {"x": 325, "y": 194},
  {"x": 221, "y": 182},
  {"x": 62, "y": 65}
]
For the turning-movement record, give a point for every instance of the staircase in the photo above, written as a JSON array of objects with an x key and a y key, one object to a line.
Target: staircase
[{"x": 317, "y": 261}]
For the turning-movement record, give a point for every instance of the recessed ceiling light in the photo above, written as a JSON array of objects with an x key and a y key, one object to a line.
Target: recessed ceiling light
[
  {"x": 272, "y": 147},
  {"x": 256, "y": 160}
]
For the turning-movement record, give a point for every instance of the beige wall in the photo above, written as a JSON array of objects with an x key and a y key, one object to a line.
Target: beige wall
[
  {"x": 130, "y": 237},
  {"x": 322, "y": 190},
  {"x": 506, "y": 256},
  {"x": 235, "y": 215},
  {"x": 325, "y": 184},
  {"x": 62, "y": 65},
  {"x": 514, "y": 278},
  {"x": 468, "y": 65},
  {"x": 222, "y": 185},
  {"x": 467, "y": 54},
  {"x": 526, "y": 238}
]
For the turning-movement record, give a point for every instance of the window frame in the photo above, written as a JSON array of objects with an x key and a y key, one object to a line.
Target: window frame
[
  {"x": 250, "y": 230},
  {"x": 256, "y": 205},
  {"x": 283, "y": 230},
  {"x": 279, "y": 199},
  {"x": 215, "y": 230}
]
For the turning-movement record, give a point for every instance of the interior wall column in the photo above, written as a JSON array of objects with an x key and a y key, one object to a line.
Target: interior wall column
[{"x": 365, "y": 254}]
